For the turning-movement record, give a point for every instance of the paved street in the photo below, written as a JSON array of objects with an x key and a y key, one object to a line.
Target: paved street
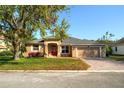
[{"x": 62, "y": 80}]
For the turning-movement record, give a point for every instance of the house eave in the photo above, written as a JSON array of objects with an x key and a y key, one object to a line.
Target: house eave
[
  {"x": 117, "y": 45},
  {"x": 34, "y": 43},
  {"x": 85, "y": 44}
]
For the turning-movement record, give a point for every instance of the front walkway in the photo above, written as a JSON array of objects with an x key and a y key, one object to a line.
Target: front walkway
[{"x": 103, "y": 64}]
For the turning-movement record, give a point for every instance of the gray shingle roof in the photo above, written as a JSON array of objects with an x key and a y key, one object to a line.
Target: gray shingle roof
[
  {"x": 76, "y": 41},
  {"x": 69, "y": 41}
]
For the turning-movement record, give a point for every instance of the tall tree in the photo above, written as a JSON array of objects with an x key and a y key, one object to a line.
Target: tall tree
[
  {"x": 17, "y": 23},
  {"x": 60, "y": 30},
  {"x": 106, "y": 39}
]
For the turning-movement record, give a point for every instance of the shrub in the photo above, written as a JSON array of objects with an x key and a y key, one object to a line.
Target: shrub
[
  {"x": 34, "y": 54},
  {"x": 108, "y": 50},
  {"x": 6, "y": 53}
]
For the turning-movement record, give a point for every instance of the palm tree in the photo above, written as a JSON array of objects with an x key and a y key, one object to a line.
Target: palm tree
[{"x": 60, "y": 31}]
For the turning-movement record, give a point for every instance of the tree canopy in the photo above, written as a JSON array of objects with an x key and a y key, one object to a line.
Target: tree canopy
[
  {"x": 17, "y": 23},
  {"x": 60, "y": 30},
  {"x": 106, "y": 38}
]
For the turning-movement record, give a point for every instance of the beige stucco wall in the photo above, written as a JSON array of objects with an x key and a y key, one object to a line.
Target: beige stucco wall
[
  {"x": 43, "y": 49},
  {"x": 29, "y": 48},
  {"x": 74, "y": 51},
  {"x": 120, "y": 49},
  {"x": 103, "y": 52},
  {"x": 46, "y": 43}
]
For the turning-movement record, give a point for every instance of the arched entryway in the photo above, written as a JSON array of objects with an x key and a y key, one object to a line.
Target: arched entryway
[{"x": 52, "y": 49}]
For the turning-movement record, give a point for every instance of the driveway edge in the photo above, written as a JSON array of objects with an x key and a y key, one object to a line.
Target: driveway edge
[{"x": 60, "y": 71}]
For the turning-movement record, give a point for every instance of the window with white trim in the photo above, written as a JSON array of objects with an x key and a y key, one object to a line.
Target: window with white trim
[
  {"x": 35, "y": 47},
  {"x": 65, "y": 49}
]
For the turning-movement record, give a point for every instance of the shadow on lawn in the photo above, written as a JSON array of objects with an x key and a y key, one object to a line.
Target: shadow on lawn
[{"x": 7, "y": 60}]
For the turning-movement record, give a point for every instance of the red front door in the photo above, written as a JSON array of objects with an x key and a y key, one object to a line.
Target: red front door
[{"x": 53, "y": 51}]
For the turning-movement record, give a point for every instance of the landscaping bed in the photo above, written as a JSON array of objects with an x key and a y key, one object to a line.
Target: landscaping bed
[{"x": 39, "y": 63}]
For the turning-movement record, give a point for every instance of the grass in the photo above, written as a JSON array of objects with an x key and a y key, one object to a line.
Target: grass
[
  {"x": 6, "y": 63},
  {"x": 116, "y": 57}
]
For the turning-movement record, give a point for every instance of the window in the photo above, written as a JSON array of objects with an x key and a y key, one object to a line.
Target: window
[
  {"x": 35, "y": 47},
  {"x": 116, "y": 49},
  {"x": 65, "y": 49}
]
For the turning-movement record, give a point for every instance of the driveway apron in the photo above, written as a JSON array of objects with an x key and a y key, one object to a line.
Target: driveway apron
[{"x": 103, "y": 64}]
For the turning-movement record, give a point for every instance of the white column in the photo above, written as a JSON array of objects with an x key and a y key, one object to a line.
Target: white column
[
  {"x": 76, "y": 52},
  {"x": 39, "y": 47},
  {"x": 59, "y": 50},
  {"x": 46, "y": 50},
  {"x": 104, "y": 52},
  {"x": 31, "y": 48},
  {"x": 100, "y": 51}
]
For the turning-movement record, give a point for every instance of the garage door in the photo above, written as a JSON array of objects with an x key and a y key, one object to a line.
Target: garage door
[{"x": 88, "y": 52}]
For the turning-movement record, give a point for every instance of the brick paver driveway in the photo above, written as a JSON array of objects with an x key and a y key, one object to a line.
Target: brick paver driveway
[{"x": 103, "y": 64}]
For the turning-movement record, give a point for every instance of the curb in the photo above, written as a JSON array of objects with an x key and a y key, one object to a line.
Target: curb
[{"x": 60, "y": 71}]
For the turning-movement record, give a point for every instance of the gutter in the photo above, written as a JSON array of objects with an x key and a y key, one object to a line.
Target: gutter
[{"x": 85, "y": 44}]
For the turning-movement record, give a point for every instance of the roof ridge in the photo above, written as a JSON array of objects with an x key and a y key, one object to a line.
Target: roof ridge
[
  {"x": 74, "y": 40},
  {"x": 81, "y": 39}
]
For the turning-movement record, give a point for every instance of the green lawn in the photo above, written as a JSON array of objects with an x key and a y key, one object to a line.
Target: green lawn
[
  {"x": 116, "y": 57},
  {"x": 6, "y": 63}
]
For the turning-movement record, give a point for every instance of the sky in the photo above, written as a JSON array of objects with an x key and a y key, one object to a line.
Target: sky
[{"x": 91, "y": 22}]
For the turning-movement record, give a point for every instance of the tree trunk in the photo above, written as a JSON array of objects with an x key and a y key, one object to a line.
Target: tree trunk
[{"x": 16, "y": 53}]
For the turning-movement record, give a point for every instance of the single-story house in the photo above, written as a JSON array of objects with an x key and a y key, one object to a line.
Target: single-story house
[
  {"x": 2, "y": 44},
  {"x": 70, "y": 47},
  {"x": 118, "y": 49}
]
